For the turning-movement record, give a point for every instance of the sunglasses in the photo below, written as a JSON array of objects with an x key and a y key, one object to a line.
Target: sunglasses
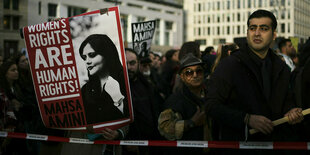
[{"x": 190, "y": 72}]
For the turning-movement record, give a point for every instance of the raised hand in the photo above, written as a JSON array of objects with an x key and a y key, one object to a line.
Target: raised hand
[{"x": 198, "y": 117}]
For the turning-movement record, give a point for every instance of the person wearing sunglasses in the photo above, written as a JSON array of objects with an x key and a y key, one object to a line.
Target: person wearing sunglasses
[{"x": 183, "y": 117}]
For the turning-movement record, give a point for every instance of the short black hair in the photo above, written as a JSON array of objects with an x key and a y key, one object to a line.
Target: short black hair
[
  {"x": 208, "y": 49},
  {"x": 170, "y": 53},
  {"x": 264, "y": 13},
  {"x": 132, "y": 51},
  {"x": 17, "y": 57},
  {"x": 104, "y": 46},
  {"x": 3, "y": 79},
  {"x": 283, "y": 42}
]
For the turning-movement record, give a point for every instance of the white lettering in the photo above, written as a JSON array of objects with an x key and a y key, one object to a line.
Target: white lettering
[{"x": 40, "y": 60}]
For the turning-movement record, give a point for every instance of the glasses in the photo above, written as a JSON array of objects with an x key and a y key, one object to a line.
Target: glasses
[{"x": 190, "y": 72}]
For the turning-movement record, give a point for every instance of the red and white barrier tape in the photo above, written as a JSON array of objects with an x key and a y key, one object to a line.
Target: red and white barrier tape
[{"x": 200, "y": 144}]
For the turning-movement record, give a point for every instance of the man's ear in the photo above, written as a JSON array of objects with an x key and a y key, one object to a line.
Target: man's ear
[
  {"x": 182, "y": 76},
  {"x": 274, "y": 35}
]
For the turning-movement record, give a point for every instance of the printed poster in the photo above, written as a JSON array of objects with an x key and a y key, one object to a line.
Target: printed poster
[
  {"x": 79, "y": 71},
  {"x": 142, "y": 35}
]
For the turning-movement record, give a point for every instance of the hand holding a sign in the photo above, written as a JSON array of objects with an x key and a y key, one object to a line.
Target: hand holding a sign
[
  {"x": 113, "y": 89},
  {"x": 110, "y": 134}
]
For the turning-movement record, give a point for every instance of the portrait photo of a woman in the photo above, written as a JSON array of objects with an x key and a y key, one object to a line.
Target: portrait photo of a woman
[{"x": 104, "y": 94}]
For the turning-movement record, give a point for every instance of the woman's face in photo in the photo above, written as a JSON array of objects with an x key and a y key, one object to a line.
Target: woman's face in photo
[{"x": 94, "y": 61}]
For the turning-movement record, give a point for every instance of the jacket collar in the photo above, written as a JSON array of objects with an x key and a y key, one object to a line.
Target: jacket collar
[
  {"x": 277, "y": 64},
  {"x": 190, "y": 96}
]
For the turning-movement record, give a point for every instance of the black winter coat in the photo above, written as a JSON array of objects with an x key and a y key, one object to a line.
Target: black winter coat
[
  {"x": 235, "y": 88},
  {"x": 98, "y": 104},
  {"x": 145, "y": 103},
  {"x": 185, "y": 102}
]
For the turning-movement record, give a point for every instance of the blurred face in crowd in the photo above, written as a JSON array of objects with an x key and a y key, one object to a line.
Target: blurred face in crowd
[
  {"x": 145, "y": 69},
  {"x": 175, "y": 56},
  {"x": 260, "y": 34},
  {"x": 192, "y": 76},
  {"x": 23, "y": 62},
  {"x": 152, "y": 57},
  {"x": 132, "y": 65},
  {"x": 212, "y": 51},
  {"x": 12, "y": 73},
  {"x": 296, "y": 60},
  {"x": 289, "y": 49},
  {"x": 155, "y": 60},
  {"x": 163, "y": 60},
  {"x": 94, "y": 61}
]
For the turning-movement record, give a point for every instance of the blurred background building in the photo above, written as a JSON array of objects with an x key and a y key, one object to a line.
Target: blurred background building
[
  {"x": 211, "y": 22},
  {"x": 13, "y": 15},
  {"x": 16, "y": 14}
]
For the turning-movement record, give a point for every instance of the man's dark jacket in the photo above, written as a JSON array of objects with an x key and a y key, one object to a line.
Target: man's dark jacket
[
  {"x": 185, "y": 102},
  {"x": 236, "y": 88},
  {"x": 146, "y": 110}
]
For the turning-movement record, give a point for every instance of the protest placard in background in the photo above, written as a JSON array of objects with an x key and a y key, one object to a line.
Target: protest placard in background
[
  {"x": 142, "y": 35},
  {"x": 74, "y": 90}
]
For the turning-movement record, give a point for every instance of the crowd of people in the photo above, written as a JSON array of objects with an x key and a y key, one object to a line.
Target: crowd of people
[{"x": 184, "y": 95}]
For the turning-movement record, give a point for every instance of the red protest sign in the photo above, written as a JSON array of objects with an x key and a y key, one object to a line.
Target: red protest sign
[{"x": 79, "y": 71}]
